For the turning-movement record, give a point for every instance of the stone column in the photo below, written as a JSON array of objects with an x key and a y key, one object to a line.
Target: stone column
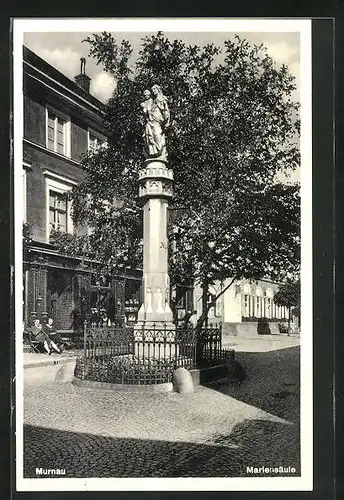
[
  {"x": 41, "y": 276},
  {"x": 155, "y": 189}
]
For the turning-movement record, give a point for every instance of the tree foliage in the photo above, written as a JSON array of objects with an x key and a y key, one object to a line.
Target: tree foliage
[
  {"x": 289, "y": 295},
  {"x": 234, "y": 128}
]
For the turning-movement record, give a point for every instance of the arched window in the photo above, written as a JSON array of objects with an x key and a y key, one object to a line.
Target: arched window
[
  {"x": 258, "y": 302},
  {"x": 247, "y": 300},
  {"x": 216, "y": 309},
  {"x": 269, "y": 303}
]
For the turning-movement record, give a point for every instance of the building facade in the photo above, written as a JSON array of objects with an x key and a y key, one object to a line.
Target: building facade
[
  {"x": 244, "y": 301},
  {"x": 62, "y": 120}
]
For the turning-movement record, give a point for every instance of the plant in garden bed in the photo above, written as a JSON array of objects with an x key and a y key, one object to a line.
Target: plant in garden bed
[
  {"x": 125, "y": 370},
  {"x": 263, "y": 327}
]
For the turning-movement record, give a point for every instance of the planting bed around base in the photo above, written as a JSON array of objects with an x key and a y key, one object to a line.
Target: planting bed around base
[
  {"x": 125, "y": 370},
  {"x": 148, "y": 356},
  {"x": 113, "y": 372}
]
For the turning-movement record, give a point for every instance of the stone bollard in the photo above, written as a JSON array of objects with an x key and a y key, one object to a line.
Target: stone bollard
[{"x": 182, "y": 381}]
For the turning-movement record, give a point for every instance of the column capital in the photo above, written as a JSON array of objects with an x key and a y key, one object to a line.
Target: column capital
[{"x": 155, "y": 180}]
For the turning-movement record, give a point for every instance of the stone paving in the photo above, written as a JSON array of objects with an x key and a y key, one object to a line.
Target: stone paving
[{"x": 217, "y": 431}]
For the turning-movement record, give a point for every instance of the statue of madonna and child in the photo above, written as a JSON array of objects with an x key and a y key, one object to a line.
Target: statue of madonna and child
[{"x": 157, "y": 120}]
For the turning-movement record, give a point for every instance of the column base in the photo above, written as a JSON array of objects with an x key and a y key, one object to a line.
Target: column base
[{"x": 149, "y": 317}]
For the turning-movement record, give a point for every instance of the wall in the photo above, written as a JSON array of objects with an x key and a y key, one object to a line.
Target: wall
[
  {"x": 36, "y": 185},
  {"x": 79, "y": 139},
  {"x": 228, "y": 306},
  {"x": 267, "y": 290},
  {"x": 35, "y": 126},
  {"x": 60, "y": 300},
  {"x": 34, "y": 121},
  {"x": 30, "y": 293},
  {"x": 232, "y": 305},
  {"x": 35, "y": 102},
  {"x": 215, "y": 313},
  {"x": 244, "y": 330},
  {"x": 60, "y": 288},
  {"x": 36, "y": 202}
]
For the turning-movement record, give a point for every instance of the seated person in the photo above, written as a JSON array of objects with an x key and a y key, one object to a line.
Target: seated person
[
  {"x": 38, "y": 334},
  {"x": 50, "y": 330}
]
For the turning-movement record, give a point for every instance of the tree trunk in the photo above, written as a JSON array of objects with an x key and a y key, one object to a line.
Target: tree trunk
[
  {"x": 205, "y": 309},
  {"x": 289, "y": 308},
  {"x": 206, "y": 306},
  {"x": 203, "y": 319}
]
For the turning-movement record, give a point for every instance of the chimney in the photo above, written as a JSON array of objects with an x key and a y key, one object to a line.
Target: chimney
[{"x": 82, "y": 80}]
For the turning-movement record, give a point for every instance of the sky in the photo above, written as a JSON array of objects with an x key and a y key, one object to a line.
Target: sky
[{"x": 63, "y": 51}]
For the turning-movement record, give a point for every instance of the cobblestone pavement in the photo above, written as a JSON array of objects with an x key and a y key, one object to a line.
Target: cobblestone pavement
[{"x": 217, "y": 431}]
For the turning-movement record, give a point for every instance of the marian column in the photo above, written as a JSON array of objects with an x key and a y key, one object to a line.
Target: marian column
[{"x": 155, "y": 189}]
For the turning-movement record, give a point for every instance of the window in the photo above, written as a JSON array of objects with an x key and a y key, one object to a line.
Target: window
[
  {"x": 258, "y": 312},
  {"x": 181, "y": 297},
  {"x": 268, "y": 308},
  {"x": 246, "y": 298},
  {"x": 198, "y": 303},
  {"x": 218, "y": 307},
  {"x": 269, "y": 303},
  {"x": 58, "y": 205},
  {"x": 95, "y": 140},
  {"x": 58, "y": 132},
  {"x": 210, "y": 300},
  {"x": 57, "y": 211},
  {"x": 258, "y": 308}
]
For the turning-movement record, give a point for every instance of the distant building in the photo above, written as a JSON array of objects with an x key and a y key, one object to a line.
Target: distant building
[
  {"x": 62, "y": 120},
  {"x": 243, "y": 301}
]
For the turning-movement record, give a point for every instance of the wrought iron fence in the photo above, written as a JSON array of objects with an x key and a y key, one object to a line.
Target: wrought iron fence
[{"x": 145, "y": 355}]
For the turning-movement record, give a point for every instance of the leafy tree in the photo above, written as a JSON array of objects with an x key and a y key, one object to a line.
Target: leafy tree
[
  {"x": 289, "y": 295},
  {"x": 234, "y": 128}
]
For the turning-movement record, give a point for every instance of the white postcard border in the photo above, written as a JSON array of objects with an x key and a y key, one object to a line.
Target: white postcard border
[{"x": 303, "y": 26}]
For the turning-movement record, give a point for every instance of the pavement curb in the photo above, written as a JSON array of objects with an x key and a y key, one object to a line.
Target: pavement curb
[
  {"x": 49, "y": 362},
  {"x": 152, "y": 388}
]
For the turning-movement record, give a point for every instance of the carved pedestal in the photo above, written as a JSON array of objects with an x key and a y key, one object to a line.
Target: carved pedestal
[{"x": 155, "y": 189}]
